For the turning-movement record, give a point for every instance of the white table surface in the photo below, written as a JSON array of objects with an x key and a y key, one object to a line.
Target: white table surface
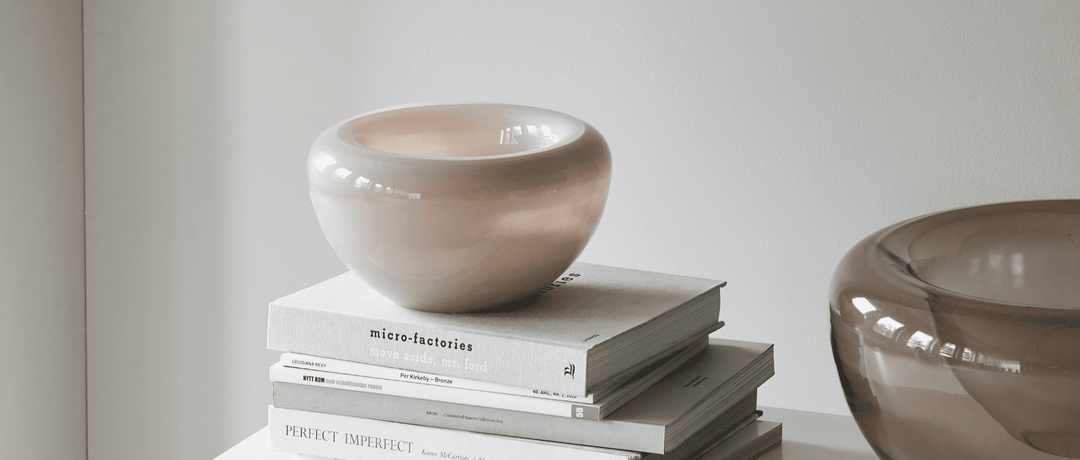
[{"x": 807, "y": 436}]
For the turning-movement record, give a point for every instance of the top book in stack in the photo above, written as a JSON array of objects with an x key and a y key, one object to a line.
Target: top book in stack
[{"x": 595, "y": 324}]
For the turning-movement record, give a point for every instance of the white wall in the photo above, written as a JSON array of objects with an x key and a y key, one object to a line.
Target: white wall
[
  {"x": 42, "y": 315},
  {"x": 752, "y": 141}
]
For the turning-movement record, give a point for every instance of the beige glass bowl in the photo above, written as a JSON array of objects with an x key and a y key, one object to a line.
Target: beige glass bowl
[
  {"x": 957, "y": 334},
  {"x": 455, "y": 207}
]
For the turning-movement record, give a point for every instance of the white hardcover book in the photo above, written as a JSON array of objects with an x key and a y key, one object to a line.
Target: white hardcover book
[
  {"x": 590, "y": 327},
  {"x": 352, "y": 438},
  {"x": 309, "y": 370},
  {"x": 746, "y": 440}
]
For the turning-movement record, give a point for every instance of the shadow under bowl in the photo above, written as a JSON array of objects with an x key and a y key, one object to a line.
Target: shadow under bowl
[
  {"x": 456, "y": 207},
  {"x": 957, "y": 334}
]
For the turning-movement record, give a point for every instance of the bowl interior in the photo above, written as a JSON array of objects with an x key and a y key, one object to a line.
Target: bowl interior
[
  {"x": 1029, "y": 258},
  {"x": 461, "y": 130}
]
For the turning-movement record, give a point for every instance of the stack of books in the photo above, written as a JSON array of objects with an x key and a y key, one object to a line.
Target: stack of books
[{"x": 605, "y": 363}]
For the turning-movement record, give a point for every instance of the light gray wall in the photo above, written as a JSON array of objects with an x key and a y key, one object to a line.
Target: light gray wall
[
  {"x": 753, "y": 142},
  {"x": 130, "y": 236},
  {"x": 42, "y": 322}
]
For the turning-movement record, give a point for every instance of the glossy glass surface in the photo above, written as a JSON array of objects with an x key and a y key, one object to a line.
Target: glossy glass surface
[
  {"x": 456, "y": 207},
  {"x": 957, "y": 334}
]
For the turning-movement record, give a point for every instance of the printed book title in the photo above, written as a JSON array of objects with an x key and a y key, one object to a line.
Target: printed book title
[
  {"x": 421, "y": 340},
  {"x": 371, "y": 442},
  {"x": 423, "y": 357},
  {"x": 366, "y": 441}
]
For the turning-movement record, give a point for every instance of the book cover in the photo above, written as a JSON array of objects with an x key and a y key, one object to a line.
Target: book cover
[
  {"x": 593, "y": 323},
  {"x": 451, "y": 394},
  {"x": 662, "y": 417},
  {"x": 340, "y": 437}
]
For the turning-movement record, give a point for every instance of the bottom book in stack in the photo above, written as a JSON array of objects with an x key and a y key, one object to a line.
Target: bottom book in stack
[
  {"x": 705, "y": 409},
  {"x": 744, "y": 441}
]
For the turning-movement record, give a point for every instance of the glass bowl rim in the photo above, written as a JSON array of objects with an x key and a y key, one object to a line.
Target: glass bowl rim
[
  {"x": 899, "y": 234},
  {"x": 582, "y": 130}
]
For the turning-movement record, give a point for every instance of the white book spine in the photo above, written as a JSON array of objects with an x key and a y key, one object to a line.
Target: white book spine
[
  {"x": 317, "y": 363},
  {"x": 505, "y": 360},
  {"x": 349, "y": 438},
  {"x": 279, "y": 373}
]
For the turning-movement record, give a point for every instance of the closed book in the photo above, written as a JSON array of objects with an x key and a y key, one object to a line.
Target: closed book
[
  {"x": 622, "y": 387},
  {"x": 709, "y": 437},
  {"x": 745, "y": 444},
  {"x": 592, "y": 324},
  {"x": 313, "y": 436},
  {"x": 724, "y": 378},
  {"x": 350, "y": 438},
  {"x": 448, "y": 393}
]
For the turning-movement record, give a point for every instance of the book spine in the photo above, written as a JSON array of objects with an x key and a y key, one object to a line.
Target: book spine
[
  {"x": 316, "y": 363},
  {"x": 342, "y": 437},
  {"x": 489, "y": 358},
  {"x": 279, "y": 373},
  {"x": 639, "y": 437}
]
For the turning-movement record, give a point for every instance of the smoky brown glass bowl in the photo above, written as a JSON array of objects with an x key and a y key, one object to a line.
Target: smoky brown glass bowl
[
  {"x": 455, "y": 207},
  {"x": 957, "y": 335}
]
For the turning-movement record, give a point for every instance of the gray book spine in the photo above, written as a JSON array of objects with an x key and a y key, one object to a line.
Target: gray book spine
[
  {"x": 418, "y": 347},
  {"x": 639, "y": 437}
]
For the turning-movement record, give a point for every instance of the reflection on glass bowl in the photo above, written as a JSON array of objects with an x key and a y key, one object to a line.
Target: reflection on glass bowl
[{"x": 957, "y": 334}]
